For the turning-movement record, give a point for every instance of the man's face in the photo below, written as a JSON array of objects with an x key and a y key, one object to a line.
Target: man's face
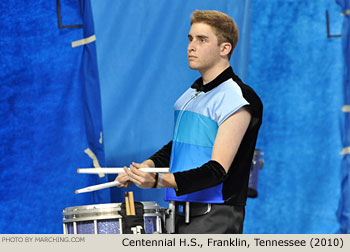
[{"x": 203, "y": 52}]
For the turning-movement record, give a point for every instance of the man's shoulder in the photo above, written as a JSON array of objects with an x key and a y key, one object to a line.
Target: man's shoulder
[{"x": 249, "y": 94}]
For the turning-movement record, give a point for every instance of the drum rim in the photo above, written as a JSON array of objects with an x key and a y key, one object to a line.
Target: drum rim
[
  {"x": 104, "y": 211},
  {"x": 145, "y": 203},
  {"x": 92, "y": 218}
]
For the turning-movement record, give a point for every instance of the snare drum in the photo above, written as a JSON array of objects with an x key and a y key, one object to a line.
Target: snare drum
[{"x": 106, "y": 219}]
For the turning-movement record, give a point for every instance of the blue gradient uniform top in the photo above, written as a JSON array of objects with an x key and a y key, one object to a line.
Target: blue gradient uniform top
[{"x": 198, "y": 116}]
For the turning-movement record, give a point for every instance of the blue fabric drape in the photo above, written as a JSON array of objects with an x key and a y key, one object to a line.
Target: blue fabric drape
[
  {"x": 343, "y": 212},
  {"x": 293, "y": 66},
  {"x": 297, "y": 71},
  {"x": 92, "y": 98},
  {"x": 141, "y": 48},
  {"x": 49, "y": 115}
]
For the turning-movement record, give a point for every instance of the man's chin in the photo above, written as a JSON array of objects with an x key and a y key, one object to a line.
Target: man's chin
[{"x": 193, "y": 67}]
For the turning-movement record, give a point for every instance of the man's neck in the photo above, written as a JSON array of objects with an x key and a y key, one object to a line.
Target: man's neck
[{"x": 212, "y": 73}]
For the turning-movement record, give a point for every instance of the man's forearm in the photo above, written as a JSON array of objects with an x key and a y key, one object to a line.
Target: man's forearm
[
  {"x": 166, "y": 180},
  {"x": 209, "y": 174}
]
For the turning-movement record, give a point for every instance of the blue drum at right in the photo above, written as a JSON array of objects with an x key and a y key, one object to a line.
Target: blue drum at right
[{"x": 257, "y": 164}]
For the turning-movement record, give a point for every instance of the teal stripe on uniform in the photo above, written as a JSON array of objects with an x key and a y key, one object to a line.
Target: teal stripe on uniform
[{"x": 194, "y": 128}]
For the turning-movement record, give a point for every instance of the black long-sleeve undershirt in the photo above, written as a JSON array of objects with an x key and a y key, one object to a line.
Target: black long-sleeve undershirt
[{"x": 208, "y": 175}]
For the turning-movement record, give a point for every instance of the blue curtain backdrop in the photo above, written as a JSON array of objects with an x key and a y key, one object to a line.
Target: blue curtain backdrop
[
  {"x": 343, "y": 212},
  {"x": 142, "y": 48},
  {"x": 44, "y": 127},
  {"x": 141, "y": 53},
  {"x": 294, "y": 67},
  {"x": 297, "y": 71}
]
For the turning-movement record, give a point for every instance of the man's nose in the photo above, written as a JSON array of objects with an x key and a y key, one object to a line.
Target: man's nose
[{"x": 191, "y": 46}]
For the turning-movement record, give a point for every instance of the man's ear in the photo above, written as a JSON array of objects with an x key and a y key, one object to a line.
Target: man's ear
[{"x": 225, "y": 48}]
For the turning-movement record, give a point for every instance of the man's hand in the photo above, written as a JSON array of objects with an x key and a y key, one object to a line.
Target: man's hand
[
  {"x": 123, "y": 178},
  {"x": 139, "y": 178}
]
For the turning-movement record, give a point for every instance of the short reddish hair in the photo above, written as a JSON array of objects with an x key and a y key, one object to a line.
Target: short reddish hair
[{"x": 224, "y": 26}]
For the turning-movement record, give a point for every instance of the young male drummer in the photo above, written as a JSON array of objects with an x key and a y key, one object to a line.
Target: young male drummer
[{"x": 217, "y": 123}]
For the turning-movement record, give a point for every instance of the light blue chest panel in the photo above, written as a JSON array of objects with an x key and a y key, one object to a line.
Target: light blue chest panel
[{"x": 197, "y": 118}]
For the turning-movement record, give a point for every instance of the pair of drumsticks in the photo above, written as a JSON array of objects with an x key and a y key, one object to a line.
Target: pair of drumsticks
[{"x": 129, "y": 203}]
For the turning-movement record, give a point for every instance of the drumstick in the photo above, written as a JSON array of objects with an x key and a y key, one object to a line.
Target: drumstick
[
  {"x": 97, "y": 187},
  {"x": 127, "y": 206},
  {"x": 132, "y": 204},
  {"x": 114, "y": 170}
]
